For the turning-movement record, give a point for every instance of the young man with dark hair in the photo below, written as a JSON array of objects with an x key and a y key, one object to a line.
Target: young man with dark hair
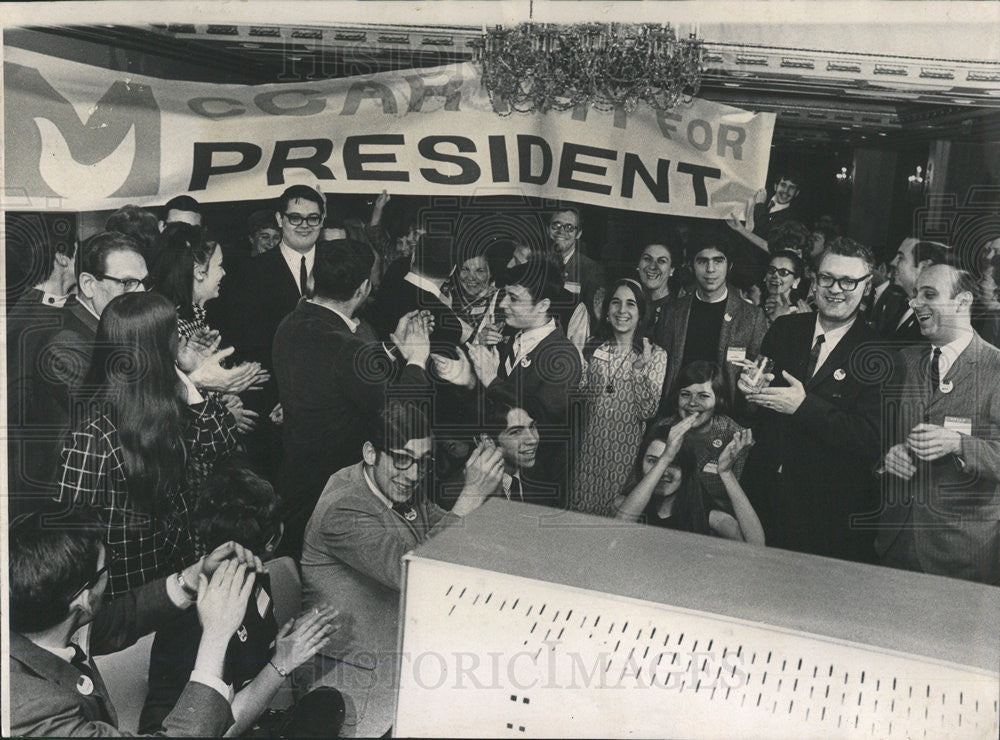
[
  {"x": 266, "y": 290},
  {"x": 331, "y": 383},
  {"x": 369, "y": 516},
  {"x": 781, "y": 207},
  {"x": 943, "y": 459},
  {"x": 817, "y": 433},
  {"x": 58, "y": 574},
  {"x": 235, "y": 504},
  {"x": 139, "y": 223},
  {"x": 713, "y": 323}
]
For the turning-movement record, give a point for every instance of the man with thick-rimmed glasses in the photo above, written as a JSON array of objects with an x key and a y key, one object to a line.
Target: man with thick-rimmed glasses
[
  {"x": 817, "y": 425},
  {"x": 582, "y": 276},
  {"x": 369, "y": 516}
]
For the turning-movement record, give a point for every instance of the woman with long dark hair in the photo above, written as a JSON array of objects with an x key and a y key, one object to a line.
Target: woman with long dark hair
[
  {"x": 145, "y": 441},
  {"x": 188, "y": 270},
  {"x": 666, "y": 492},
  {"x": 622, "y": 381}
]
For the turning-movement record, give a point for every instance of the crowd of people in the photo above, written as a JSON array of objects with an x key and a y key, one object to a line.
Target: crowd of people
[{"x": 338, "y": 394}]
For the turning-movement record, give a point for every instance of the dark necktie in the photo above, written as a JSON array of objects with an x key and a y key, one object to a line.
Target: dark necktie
[
  {"x": 516, "y": 488},
  {"x": 814, "y": 356},
  {"x": 506, "y": 359},
  {"x": 303, "y": 276},
  {"x": 79, "y": 661},
  {"x": 935, "y": 369}
]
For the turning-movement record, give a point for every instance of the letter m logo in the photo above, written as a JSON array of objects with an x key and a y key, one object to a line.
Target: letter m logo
[{"x": 52, "y": 150}]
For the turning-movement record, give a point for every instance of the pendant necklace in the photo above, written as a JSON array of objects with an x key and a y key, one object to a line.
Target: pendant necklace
[{"x": 610, "y": 387}]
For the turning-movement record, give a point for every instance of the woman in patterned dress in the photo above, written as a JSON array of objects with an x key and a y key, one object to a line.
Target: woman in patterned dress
[
  {"x": 622, "y": 382},
  {"x": 145, "y": 442},
  {"x": 187, "y": 270},
  {"x": 700, "y": 392}
]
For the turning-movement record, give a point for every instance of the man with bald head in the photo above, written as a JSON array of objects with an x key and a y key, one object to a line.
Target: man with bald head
[{"x": 942, "y": 468}]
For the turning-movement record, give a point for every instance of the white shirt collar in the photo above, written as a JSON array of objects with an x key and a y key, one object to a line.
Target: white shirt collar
[
  {"x": 951, "y": 351},
  {"x": 830, "y": 339},
  {"x": 424, "y": 284},
  {"x": 567, "y": 256},
  {"x": 294, "y": 259},
  {"x": 529, "y": 339},
  {"x": 774, "y": 206},
  {"x": 90, "y": 310},
  {"x": 53, "y": 300},
  {"x": 374, "y": 489},
  {"x": 725, "y": 295},
  {"x": 351, "y": 323},
  {"x": 508, "y": 482}
]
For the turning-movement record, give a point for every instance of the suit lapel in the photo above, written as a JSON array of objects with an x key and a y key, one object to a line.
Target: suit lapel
[
  {"x": 683, "y": 314},
  {"x": 838, "y": 358},
  {"x": 961, "y": 375},
  {"x": 727, "y": 327}
]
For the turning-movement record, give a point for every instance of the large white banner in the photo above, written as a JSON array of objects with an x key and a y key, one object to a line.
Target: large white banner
[{"x": 85, "y": 138}]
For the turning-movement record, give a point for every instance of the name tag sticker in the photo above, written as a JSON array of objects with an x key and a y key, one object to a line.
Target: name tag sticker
[
  {"x": 477, "y": 310},
  {"x": 572, "y": 287},
  {"x": 960, "y": 424},
  {"x": 736, "y": 354},
  {"x": 711, "y": 468},
  {"x": 602, "y": 354}
]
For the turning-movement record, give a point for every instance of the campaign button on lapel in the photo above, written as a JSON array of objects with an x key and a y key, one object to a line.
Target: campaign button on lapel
[
  {"x": 85, "y": 686},
  {"x": 839, "y": 374},
  {"x": 947, "y": 387}
]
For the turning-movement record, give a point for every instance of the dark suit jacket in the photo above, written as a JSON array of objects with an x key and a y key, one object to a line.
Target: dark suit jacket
[
  {"x": 885, "y": 316},
  {"x": 332, "y": 386},
  {"x": 763, "y": 220},
  {"x": 546, "y": 382},
  {"x": 397, "y": 297},
  {"x": 47, "y": 367},
  {"x": 810, "y": 471},
  {"x": 582, "y": 276},
  {"x": 954, "y": 511},
  {"x": 46, "y": 702},
  {"x": 743, "y": 325}
]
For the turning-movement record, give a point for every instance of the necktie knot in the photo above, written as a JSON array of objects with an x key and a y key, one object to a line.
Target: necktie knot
[
  {"x": 814, "y": 355},
  {"x": 303, "y": 275}
]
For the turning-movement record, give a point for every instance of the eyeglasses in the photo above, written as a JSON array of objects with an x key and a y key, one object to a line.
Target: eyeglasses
[
  {"x": 95, "y": 579},
  {"x": 562, "y": 226},
  {"x": 312, "y": 220},
  {"x": 779, "y": 271},
  {"x": 846, "y": 284},
  {"x": 401, "y": 461},
  {"x": 129, "y": 284}
]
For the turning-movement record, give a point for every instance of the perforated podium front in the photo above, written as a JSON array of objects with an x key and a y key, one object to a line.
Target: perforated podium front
[{"x": 527, "y": 622}]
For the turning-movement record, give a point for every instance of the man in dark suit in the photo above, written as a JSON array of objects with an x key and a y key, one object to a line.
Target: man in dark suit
[
  {"x": 891, "y": 315},
  {"x": 713, "y": 324},
  {"x": 582, "y": 277},
  {"x": 420, "y": 289},
  {"x": 331, "y": 383},
  {"x": 50, "y": 359},
  {"x": 58, "y": 575},
  {"x": 943, "y": 465},
  {"x": 781, "y": 207},
  {"x": 817, "y": 430},
  {"x": 267, "y": 289},
  {"x": 537, "y": 365}
]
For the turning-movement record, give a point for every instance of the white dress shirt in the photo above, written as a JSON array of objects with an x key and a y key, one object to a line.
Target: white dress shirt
[
  {"x": 424, "y": 284},
  {"x": 294, "y": 261},
  {"x": 830, "y": 340},
  {"x": 528, "y": 340},
  {"x": 951, "y": 351}
]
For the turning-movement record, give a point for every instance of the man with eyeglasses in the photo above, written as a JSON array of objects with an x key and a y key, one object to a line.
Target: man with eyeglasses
[
  {"x": 45, "y": 378},
  {"x": 817, "y": 425},
  {"x": 368, "y": 517},
  {"x": 267, "y": 289},
  {"x": 582, "y": 276},
  {"x": 57, "y": 579}
]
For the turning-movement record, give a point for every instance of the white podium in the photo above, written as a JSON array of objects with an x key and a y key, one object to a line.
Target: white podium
[{"x": 528, "y": 622}]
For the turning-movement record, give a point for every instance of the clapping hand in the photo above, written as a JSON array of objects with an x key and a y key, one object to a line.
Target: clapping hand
[
  {"x": 483, "y": 476},
  {"x": 675, "y": 438},
  {"x": 899, "y": 462},
  {"x": 930, "y": 441},
  {"x": 741, "y": 440},
  {"x": 196, "y": 348},
  {"x": 211, "y": 375},
  {"x": 222, "y": 601},
  {"x": 300, "y": 639},
  {"x": 246, "y": 420},
  {"x": 783, "y": 400},
  {"x": 456, "y": 372},
  {"x": 412, "y": 336},
  {"x": 485, "y": 362}
]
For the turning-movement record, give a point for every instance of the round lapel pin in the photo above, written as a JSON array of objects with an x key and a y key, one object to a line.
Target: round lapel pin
[
  {"x": 839, "y": 374},
  {"x": 728, "y": 317},
  {"x": 716, "y": 443},
  {"x": 85, "y": 686},
  {"x": 947, "y": 386},
  {"x": 525, "y": 362}
]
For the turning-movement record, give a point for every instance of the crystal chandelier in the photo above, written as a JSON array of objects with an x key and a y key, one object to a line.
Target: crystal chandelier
[{"x": 541, "y": 67}]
